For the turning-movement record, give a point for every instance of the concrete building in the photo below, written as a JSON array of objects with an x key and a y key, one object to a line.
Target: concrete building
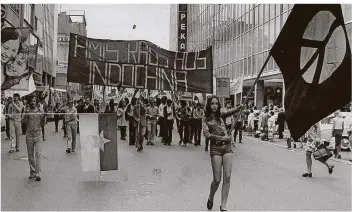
[
  {"x": 71, "y": 22},
  {"x": 41, "y": 18},
  {"x": 241, "y": 36}
]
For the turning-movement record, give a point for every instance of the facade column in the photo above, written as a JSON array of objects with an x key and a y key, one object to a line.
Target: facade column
[{"x": 259, "y": 94}]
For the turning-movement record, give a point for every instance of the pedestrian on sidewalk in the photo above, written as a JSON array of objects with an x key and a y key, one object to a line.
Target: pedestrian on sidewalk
[
  {"x": 57, "y": 116},
  {"x": 152, "y": 114},
  {"x": 198, "y": 115},
  {"x": 141, "y": 119},
  {"x": 25, "y": 107},
  {"x": 7, "y": 104},
  {"x": 337, "y": 130},
  {"x": 221, "y": 155},
  {"x": 169, "y": 113},
  {"x": 250, "y": 122},
  {"x": 15, "y": 119},
  {"x": 71, "y": 126},
  {"x": 33, "y": 117},
  {"x": 162, "y": 122},
  {"x": 281, "y": 122},
  {"x": 184, "y": 114},
  {"x": 44, "y": 107},
  {"x": 238, "y": 127},
  {"x": 313, "y": 142},
  {"x": 271, "y": 126},
  {"x": 122, "y": 123}
]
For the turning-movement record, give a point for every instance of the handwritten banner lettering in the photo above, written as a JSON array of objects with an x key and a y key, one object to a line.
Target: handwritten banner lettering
[{"x": 138, "y": 64}]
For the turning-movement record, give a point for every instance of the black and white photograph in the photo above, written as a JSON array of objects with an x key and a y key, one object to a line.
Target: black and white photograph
[{"x": 176, "y": 106}]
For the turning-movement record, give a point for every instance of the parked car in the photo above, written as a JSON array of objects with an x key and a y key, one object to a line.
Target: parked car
[
  {"x": 3, "y": 121},
  {"x": 326, "y": 129}
]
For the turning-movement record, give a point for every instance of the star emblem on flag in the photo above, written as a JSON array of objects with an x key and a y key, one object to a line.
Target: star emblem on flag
[{"x": 100, "y": 141}]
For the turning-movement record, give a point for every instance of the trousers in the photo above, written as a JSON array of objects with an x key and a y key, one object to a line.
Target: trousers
[
  {"x": 15, "y": 133},
  {"x": 34, "y": 142},
  {"x": 71, "y": 135}
]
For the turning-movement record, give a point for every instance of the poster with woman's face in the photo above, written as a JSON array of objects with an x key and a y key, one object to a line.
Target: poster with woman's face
[{"x": 15, "y": 53}]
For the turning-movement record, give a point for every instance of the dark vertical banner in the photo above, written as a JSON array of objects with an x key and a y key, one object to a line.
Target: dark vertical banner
[
  {"x": 182, "y": 28},
  {"x": 108, "y": 136}
]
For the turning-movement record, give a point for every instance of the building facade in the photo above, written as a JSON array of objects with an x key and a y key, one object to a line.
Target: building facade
[
  {"x": 242, "y": 36},
  {"x": 41, "y": 18},
  {"x": 71, "y": 22}
]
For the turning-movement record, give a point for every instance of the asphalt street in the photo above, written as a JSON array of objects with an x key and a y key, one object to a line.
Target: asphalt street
[{"x": 264, "y": 177}]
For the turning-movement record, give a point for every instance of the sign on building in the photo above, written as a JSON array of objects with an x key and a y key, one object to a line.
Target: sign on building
[
  {"x": 223, "y": 87},
  {"x": 63, "y": 38},
  {"x": 62, "y": 64},
  {"x": 182, "y": 28}
]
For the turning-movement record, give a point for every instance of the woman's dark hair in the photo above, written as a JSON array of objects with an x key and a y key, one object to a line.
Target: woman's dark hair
[
  {"x": 183, "y": 103},
  {"x": 252, "y": 111},
  {"x": 164, "y": 99},
  {"x": 9, "y": 33},
  {"x": 157, "y": 102},
  {"x": 120, "y": 103},
  {"x": 134, "y": 101},
  {"x": 127, "y": 101},
  {"x": 107, "y": 108},
  {"x": 208, "y": 110},
  {"x": 16, "y": 95},
  {"x": 169, "y": 101},
  {"x": 271, "y": 113}
]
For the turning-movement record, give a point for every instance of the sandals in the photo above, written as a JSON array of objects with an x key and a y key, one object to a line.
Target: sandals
[
  {"x": 331, "y": 169},
  {"x": 210, "y": 204},
  {"x": 307, "y": 175}
]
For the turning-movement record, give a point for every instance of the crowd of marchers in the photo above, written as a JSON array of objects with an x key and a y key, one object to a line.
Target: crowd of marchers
[{"x": 143, "y": 119}]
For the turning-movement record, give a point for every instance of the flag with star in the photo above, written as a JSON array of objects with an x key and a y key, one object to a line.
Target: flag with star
[{"x": 98, "y": 138}]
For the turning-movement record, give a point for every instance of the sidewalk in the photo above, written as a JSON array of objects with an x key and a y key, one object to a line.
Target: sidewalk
[{"x": 345, "y": 155}]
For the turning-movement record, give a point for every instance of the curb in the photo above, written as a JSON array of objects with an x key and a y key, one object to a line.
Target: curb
[{"x": 296, "y": 150}]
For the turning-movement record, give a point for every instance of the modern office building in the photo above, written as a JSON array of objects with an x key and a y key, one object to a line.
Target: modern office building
[
  {"x": 42, "y": 19},
  {"x": 241, "y": 36}
]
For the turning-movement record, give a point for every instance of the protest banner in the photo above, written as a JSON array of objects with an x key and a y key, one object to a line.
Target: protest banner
[{"x": 138, "y": 64}]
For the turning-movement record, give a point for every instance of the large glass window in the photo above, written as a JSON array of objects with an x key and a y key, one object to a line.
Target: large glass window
[
  {"x": 347, "y": 12},
  {"x": 260, "y": 38},
  {"x": 260, "y": 14},
  {"x": 277, "y": 26},
  {"x": 28, "y": 9},
  {"x": 272, "y": 33},
  {"x": 256, "y": 16},
  {"x": 272, "y": 11},
  {"x": 278, "y": 9},
  {"x": 255, "y": 40},
  {"x": 15, "y": 7},
  {"x": 266, "y": 36},
  {"x": 266, "y": 12}
]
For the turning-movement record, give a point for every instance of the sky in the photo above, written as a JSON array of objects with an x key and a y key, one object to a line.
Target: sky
[{"x": 115, "y": 21}]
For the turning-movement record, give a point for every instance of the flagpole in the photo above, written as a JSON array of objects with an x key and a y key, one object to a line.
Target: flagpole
[{"x": 251, "y": 90}]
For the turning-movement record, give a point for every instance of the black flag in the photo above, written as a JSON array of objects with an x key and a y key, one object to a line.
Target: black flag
[{"x": 314, "y": 56}]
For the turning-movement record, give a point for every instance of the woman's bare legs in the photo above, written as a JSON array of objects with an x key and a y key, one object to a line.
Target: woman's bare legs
[
  {"x": 216, "y": 163},
  {"x": 227, "y": 160}
]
